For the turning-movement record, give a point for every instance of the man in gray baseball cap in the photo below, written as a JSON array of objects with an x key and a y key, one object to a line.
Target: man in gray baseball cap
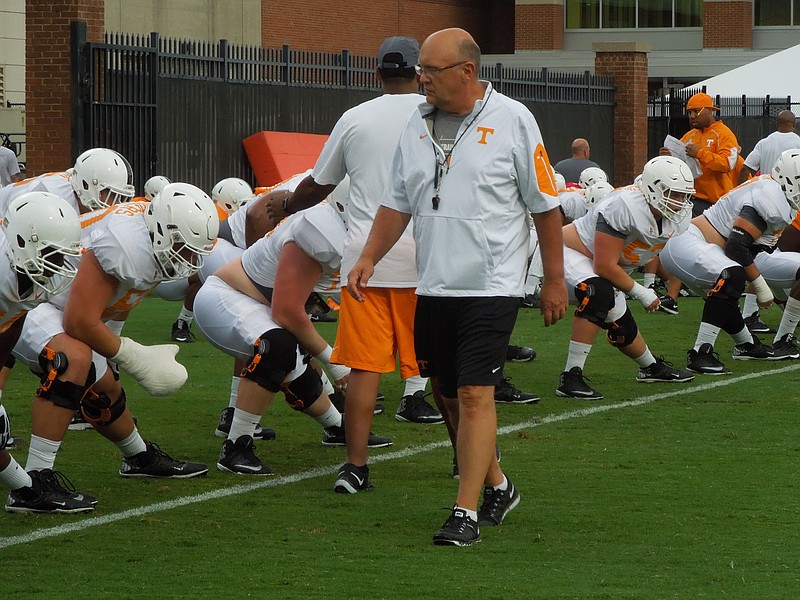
[{"x": 398, "y": 53}]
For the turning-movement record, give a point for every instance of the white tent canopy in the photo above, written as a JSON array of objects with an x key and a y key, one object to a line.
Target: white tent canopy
[{"x": 774, "y": 76}]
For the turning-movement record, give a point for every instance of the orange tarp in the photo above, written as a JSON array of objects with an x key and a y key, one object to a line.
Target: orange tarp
[{"x": 277, "y": 155}]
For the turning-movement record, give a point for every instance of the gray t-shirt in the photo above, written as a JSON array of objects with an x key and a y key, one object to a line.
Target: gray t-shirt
[
  {"x": 571, "y": 168},
  {"x": 445, "y": 129},
  {"x": 8, "y": 165}
]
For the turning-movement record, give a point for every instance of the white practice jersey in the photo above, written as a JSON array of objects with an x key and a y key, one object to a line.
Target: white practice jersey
[
  {"x": 12, "y": 307},
  {"x": 54, "y": 183},
  {"x": 573, "y": 203},
  {"x": 120, "y": 241},
  {"x": 238, "y": 220},
  {"x": 318, "y": 231},
  {"x": 626, "y": 212},
  {"x": 762, "y": 194}
]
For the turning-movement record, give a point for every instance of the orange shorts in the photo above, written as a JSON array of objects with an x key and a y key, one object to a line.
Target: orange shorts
[{"x": 374, "y": 333}]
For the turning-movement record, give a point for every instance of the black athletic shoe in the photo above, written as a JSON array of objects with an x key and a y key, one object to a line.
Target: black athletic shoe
[
  {"x": 531, "y": 301},
  {"x": 754, "y": 350},
  {"x": 352, "y": 479},
  {"x": 520, "y": 354},
  {"x": 322, "y": 317},
  {"x": 154, "y": 462},
  {"x": 662, "y": 371},
  {"x": 337, "y": 399},
  {"x": 224, "y": 427},
  {"x": 78, "y": 422},
  {"x": 497, "y": 504},
  {"x": 786, "y": 348},
  {"x": 705, "y": 361},
  {"x": 458, "y": 530},
  {"x": 181, "y": 332},
  {"x": 51, "y": 492},
  {"x": 415, "y": 409},
  {"x": 506, "y": 393},
  {"x": 668, "y": 305},
  {"x": 572, "y": 384},
  {"x": 239, "y": 457},
  {"x": 334, "y": 436},
  {"x": 756, "y": 325}
]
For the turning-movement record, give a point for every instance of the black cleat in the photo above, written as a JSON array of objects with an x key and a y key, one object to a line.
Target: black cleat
[
  {"x": 239, "y": 457},
  {"x": 154, "y": 462},
  {"x": 662, "y": 371},
  {"x": 705, "y": 361},
  {"x": 78, "y": 422},
  {"x": 334, "y": 436},
  {"x": 520, "y": 354},
  {"x": 458, "y": 530},
  {"x": 785, "y": 348},
  {"x": 668, "y": 305},
  {"x": 415, "y": 409},
  {"x": 506, "y": 393},
  {"x": 352, "y": 479},
  {"x": 756, "y": 325},
  {"x": 754, "y": 350},
  {"x": 51, "y": 492},
  {"x": 181, "y": 332},
  {"x": 572, "y": 384}
]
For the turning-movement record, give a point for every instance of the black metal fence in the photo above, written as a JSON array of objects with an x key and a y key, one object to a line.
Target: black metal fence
[
  {"x": 182, "y": 108},
  {"x": 750, "y": 118}
]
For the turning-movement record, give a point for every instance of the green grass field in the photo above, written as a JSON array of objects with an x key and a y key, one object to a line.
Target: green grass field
[{"x": 657, "y": 491}]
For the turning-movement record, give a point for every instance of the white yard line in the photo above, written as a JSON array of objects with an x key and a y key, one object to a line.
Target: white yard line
[{"x": 59, "y": 530}]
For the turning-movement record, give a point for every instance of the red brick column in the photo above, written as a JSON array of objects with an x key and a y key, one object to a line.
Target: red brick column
[
  {"x": 728, "y": 24},
  {"x": 48, "y": 77},
  {"x": 539, "y": 25},
  {"x": 627, "y": 62}
]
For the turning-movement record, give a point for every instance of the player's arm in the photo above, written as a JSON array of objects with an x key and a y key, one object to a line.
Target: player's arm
[
  {"x": 8, "y": 339},
  {"x": 738, "y": 247},
  {"x": 89, "y": 295},
  {"x": 307, "y": 194},
  {"x": 744, "y": 174},
  {"x": 607, "y": 251}
]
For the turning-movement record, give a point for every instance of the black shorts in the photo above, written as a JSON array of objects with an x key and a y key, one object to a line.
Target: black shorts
[
  {"x": 463, "y": 341},
  {"x": 699, "y": 206}
]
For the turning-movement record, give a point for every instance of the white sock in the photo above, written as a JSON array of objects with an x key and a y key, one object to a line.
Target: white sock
[
  {"x": 646, "y": 359},
  {"x": 649, "y": 279},
  {"x": 472, "y": 514},
  {"x": 131, "y": 445},
  {"x": 243, "y": 423},
  {"x": 14, "y": 476},
  {"x": 502, "y": 486},
  {"x": 187, "y": 316},
  {"x": 742, "y": 337},
  {"x": 234, "y": 391},
  {"x": 707, "y": 334},
  {"x": 330, "y": 418},
  {"x": 415, "y": 384},
  {"x": 327, "y": 386},
  {"x": 578, "y": 353},
  {"x": 41, "y": 454},
  {"x": 750, "y": 305},
  {"x": 790, "y": 318}
]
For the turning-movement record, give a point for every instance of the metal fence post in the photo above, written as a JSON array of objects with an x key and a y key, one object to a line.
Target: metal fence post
[
  {"x": 223, "y": 53},
  {"x": 81, "y": 102},
  {"x": 285, "y": 67},
  {"x": 345, "y": 78}
]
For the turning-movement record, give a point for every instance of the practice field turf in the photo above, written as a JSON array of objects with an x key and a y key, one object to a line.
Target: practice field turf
[{"x": 658, "y": 491}]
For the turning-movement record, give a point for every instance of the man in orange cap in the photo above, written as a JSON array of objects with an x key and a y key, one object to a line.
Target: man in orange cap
[{"x": 715, "y": 148}]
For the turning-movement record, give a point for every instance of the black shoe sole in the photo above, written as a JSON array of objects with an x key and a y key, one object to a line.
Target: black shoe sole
[
  {"x": 578, "y": 397},
  {"x": 225, "y": 469}
]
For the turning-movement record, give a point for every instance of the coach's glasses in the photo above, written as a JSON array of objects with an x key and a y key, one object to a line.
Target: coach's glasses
[{"x": 423, "y": 70}]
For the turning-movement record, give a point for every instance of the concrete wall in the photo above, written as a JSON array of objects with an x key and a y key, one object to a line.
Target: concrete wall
[
  {"x": 12, "y": 50},
  {"x": 237, "y": 21}
]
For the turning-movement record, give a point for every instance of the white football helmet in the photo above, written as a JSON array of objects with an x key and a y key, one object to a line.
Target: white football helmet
[
  {"x": 592, "y": 175},
  {"x": 339, "y": 198},
  {"x": 596, "y": 192},
  {"x": 231, "y": 193},
  {"x": 154, "y": 185},
  {"x": 42, "y": 231},
  {"x": 787, "y": 173},
  {"x": 561, "y": 183},
  {"x": 101, "y": 170},
  {"x": 667, "y": 184},
  {"x": 184, "y": 224}
]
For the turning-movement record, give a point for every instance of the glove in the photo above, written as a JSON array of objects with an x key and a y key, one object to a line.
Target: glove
[
  {"x": 153, "y": 367},
  {"x": 644, "y": 295}
]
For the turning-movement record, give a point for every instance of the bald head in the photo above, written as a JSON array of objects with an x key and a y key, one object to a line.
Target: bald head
[
  {"x": 455, "y": 44},
  {"x": 451, "y": 61},
  {"x": 786, "y": 121},
  {"x": 580, "y": 148}
]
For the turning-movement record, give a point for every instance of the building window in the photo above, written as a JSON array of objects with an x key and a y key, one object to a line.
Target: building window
[
  {"x": 631, "y": 14},
  {"x": 776, "y": 12}
]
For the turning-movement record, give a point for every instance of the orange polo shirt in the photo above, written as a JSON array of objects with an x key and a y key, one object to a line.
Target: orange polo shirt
[{"x": 717, "y": 158}]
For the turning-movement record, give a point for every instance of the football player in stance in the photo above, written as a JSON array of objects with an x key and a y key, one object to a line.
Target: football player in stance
[
  {"x": 730, "y": 246},
  {"x": 625, "y": 230},
  {"x": 255, "y": 309},
  {"x": 229, "y": 195},
  {"x": 39, "y": 231},
  {"x": 129, "y": 249}
]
